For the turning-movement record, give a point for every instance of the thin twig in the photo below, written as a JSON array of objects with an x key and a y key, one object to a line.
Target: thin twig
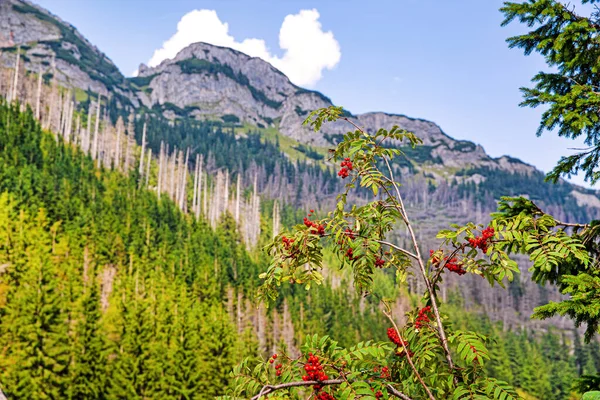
[
  {"x": 440, "y": 326},
  {"x": 267, "y": 389},
  {"x": 408, "y": 357},
  {"x": 383, "y": 242},
  {"x": 571, "y": 224},
  {"x": 443, "y": 263},
  {"x": 356, "y": 126},
  {"x": 272, "y": 388},
  {"x": 395, "y": 392}
]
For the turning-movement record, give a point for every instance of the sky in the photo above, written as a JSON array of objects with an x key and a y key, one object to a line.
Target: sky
[{"x": 444, "y": 61}]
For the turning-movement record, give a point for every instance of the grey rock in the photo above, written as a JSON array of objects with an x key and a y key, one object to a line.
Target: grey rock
[{"x": 51, "y": 45}]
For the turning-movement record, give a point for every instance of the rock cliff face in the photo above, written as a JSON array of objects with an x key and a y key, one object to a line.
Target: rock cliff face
[
  {"x": 56, "y": 49},
  {"x": 208, "y": 82}
]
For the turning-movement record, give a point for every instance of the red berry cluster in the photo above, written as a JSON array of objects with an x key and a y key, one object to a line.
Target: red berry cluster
[
  {"x": 346, "y": 168},
  {"x": 314, "y": 369},
  {"x": 325, "y": 396},
  {"x": 379, "y": 262},
  {"x": 278, "y": 366},
  {"x": 378, "y": 395},
  {"x": 422, "y": 318},
  {"x": 482, "y": 241},
  {"x": 393, "y": 336},
  {"x": 314, "y": 227},
  {"x": 287, "y": 242},
  {"x": 451, "y": 264},
  {"x": 385, "y": 372},
  {"x": 350, "y": 254},
  {"x": 350, "y": 233}
]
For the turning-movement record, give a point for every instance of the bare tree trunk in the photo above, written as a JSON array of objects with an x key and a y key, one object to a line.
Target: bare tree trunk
[
  {"x": 88, "y": 134},
  {"x": 160, "y": 168},
  {"x": 183, "y": 197},
  {"x": 226, "y": 190},
  {"x": 173, "y": 167},
  {"x": 119, "y": 128},
  {"x": 148, "y": 167},
  {"x": 128, "y": 135},
  {"x": 195, "y": 195},
  {"x": 103, "y": 149},
  {"x": 141, "y": 169},
  {"x": 205, "y": 203},
  {"x": 238, "y": 196},
  {"x": 199, "y": 187},
  {"x": 97, "y": 126},
  {"x": 69, "y": 129},
  {"x": 62, "y": 127},
  {"x": 13, "y": 96},
  {"x": 78, "y": 130},
  {"x": 39, "y": 95}
]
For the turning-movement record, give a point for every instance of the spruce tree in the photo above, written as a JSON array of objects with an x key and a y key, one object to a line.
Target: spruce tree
[
  {"x": 569, "y": 42},
  {"x": 33, "y": 329},
  {"x": 89, "y": 367}
]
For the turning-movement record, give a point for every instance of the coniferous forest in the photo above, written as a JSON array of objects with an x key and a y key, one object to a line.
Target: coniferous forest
[{"x": 149, "y": 254}]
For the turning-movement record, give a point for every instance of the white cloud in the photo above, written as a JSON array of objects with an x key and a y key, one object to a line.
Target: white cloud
[{"x": 308, "y": 50}]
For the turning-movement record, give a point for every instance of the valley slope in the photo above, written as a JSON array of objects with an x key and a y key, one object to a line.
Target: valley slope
[{"x": 447, "y": 180}]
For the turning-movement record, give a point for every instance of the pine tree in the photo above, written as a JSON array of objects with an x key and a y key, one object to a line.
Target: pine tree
[
  {"x": 89, "y": 369},
  {"x": 129, "y": 378},
  {"x": 32, "y": 329},
  {"x": 568, "y": 41}
]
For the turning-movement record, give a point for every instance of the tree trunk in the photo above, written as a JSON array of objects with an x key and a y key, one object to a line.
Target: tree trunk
[
  {"x": 39, "y": 95},
  {"x": 160, "y": 168},
  {"x": 13, "y": 96},
  {"x": 97, "y": 126},
  {"x": 141, "y": 169},
  {"x": 148, "y": 167}
]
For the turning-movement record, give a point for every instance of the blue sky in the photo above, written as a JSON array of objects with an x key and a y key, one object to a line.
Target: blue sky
[{"x": 445, "y": 61}]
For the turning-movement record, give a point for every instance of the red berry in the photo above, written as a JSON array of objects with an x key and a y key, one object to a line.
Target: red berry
[{"x": 422, "y": 318}]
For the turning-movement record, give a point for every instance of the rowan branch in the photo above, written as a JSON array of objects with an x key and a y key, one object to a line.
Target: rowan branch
[
  {"x": 443, "y": 263},
  {"x": 272, "y": 388},
  {"x": 356, "y": 126},
  {"x": 383, "y": 242},
  {"x": 436, "y": 312},
  {"x": 268, "y": 389},
  {"x": 395, "y": 392},
  {"x": 408, "y": 357}
]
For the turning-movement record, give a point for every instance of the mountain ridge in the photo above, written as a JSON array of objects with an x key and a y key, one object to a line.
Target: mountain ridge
[{"x": 205, "y": 81}]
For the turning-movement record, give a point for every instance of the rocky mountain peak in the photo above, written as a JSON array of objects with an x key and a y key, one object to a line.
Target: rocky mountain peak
[{"x": 56, "y": 48}]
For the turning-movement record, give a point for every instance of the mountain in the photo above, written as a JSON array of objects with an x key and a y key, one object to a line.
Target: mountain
[
  {"x": 209, "y": 82},
  {"x": 55, "y": 47}
]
